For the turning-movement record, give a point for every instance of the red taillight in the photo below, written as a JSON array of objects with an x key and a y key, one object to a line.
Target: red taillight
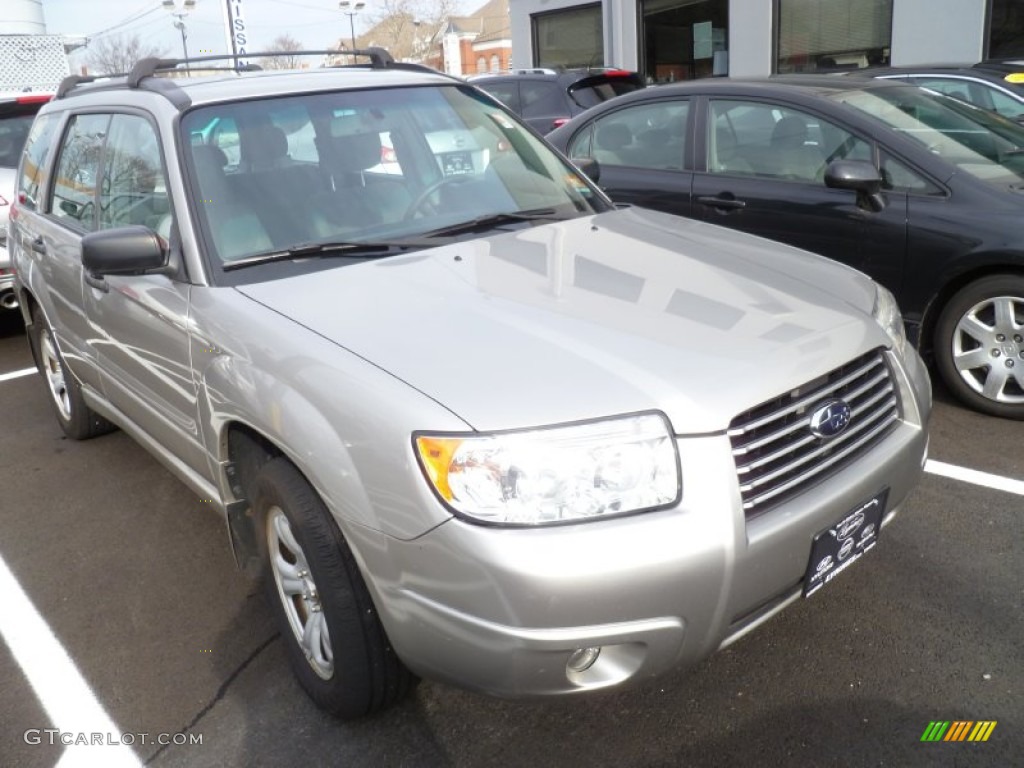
[
  {"x": 559, "y": 122},
  {"x": 617, "y": 73},
  {"x": 387, "y": 155},
  {"x": 34, "y": 98}
]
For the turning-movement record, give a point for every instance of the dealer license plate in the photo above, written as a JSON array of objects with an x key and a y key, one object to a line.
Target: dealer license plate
[
  {"x": 457, "y": 163},
  {"x": 837, "y": 548}
]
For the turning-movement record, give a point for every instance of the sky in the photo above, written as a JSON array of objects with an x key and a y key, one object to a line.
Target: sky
[{"x": 317, "y": 24}]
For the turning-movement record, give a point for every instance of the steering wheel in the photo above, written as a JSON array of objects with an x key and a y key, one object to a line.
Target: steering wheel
[{"x": 423, "y": 197}]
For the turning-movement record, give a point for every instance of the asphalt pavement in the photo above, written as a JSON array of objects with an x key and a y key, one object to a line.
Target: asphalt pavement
[{"x": 133, "y": 575}]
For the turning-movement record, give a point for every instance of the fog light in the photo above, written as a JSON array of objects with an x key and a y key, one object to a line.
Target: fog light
[{"x": 583, "y": 659}]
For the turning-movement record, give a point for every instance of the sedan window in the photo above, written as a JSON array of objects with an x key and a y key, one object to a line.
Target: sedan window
[{"x": 644, "y": 136}]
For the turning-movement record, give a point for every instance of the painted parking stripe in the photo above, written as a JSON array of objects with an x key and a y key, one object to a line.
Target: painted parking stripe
[
  {"x": 973, "y": 476},
  {"x": 17, "y": 374},
  {"x": 62, "y": 691}
]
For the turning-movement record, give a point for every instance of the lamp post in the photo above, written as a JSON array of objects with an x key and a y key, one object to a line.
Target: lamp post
[
  {"x": 179, "y": 15},
  {"x": 352, "y": 9}
]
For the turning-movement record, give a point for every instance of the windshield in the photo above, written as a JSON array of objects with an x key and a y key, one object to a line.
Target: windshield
[
  {"x": 976, "y": 141},
  {"x": 394, "y": 167}
]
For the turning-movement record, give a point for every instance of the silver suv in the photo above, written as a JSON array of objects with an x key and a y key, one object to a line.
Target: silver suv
[{"x": 477, "y": 424}]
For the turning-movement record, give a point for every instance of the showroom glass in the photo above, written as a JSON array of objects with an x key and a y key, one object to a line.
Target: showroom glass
[
  {"x": 816, "y": 36},
  {"x": 365, "y": 166},
  {"x": 977, "y": 141},
  {"x": 74, "y": 188},
  {"x": 684, "y": 39},
  {"x": 756, "y": 138},
  {"x": 134, "y": 187},
  {"x": 569, "y": 38},
  {"x": 649, "y": 136}
]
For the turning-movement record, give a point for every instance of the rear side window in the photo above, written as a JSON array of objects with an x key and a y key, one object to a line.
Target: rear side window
[
  {"x": 37, "y": 149},
  {"x": 542, "y": 98},
  {"x": 74, "y": 189},
  {"x": 506, "y": 93}
]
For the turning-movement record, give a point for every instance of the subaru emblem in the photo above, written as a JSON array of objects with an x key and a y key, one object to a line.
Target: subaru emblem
[{"x": 830, "y": 418}]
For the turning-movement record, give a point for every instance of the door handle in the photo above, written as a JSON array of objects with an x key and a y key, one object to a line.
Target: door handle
[
  {"x": 38, "y": 245},
  {"x": 99, "y": 283},
  {"x": 723, "y": 203}
]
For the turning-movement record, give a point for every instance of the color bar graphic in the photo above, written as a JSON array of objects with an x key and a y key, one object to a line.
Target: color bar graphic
[{"x": 958, "y": 730}]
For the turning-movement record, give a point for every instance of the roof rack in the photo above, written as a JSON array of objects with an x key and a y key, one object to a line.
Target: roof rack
[{"x": 148, "y": 67}]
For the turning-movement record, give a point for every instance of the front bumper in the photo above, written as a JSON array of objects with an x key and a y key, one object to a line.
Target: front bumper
[{"x": 502, "y": 611}]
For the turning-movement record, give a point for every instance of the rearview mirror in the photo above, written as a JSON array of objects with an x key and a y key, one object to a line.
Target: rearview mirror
[
  {"x": 589, "y": 167},
  {"x": 860, "y": 176}
]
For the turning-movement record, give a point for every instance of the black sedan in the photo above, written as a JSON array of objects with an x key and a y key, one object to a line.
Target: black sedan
[{"x": 923, "y": 192}]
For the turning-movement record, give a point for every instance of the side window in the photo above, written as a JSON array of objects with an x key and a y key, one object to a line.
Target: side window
[
  {"x": 645, "y": 136},
  {"x": 225, "y": 136},
  {"x": 37, "y": 150},
  {"x": 898, "y": 177},
  {"x": 958, "y": 89},
  {"x": 74, "y": 189},
  {"x": 776, "y": 141},
  {"x": 1004, "y": 104},
  {"x": 506, "y": 93},
  {"x": 542, "y": 98},
  {"x": 582, "y": 144},
  {"x": 134, "y": 186}
]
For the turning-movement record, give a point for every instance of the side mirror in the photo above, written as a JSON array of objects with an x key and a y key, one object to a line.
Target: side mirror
[
  {"x": 859, "y": 176},
  {"x": 589, "y": 167},
  {"x": 123, "y": 251}
]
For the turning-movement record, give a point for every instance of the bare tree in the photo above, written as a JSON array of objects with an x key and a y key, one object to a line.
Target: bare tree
[
  {"x": 409, "y": 29},
  {"x": 284, "y": 43},
  {"x": 116, "y": 53}
]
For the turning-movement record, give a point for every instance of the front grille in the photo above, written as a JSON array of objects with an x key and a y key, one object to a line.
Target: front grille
[{"x": 776, "y": 454}]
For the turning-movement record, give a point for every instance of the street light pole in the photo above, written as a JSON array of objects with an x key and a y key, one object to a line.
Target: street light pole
[
  {"x": 352, "y": 9},
  {"x": 179, "y": 15}
]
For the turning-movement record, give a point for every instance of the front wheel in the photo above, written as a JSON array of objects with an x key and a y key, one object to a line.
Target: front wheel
[
  {"x": 336, "y": 644},
  {"x": 77, "y": 419},
  {"x": 979, "y": 345}
]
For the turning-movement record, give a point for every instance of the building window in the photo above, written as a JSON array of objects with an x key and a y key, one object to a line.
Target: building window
[
  {"x": 683, "y": 39},
  {"x": 495, "y": 63},
  {"x": 569, "y": 38},
  {"x": 831, "y": 35},
  {"x": 1006, "y": 29},
  {"x": 481, "y": 66}
]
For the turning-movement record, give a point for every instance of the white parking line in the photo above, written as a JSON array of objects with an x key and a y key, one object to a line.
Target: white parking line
[
  {"x": 17, "y": 374},
  {"x": 62, "y": 691},
  {"x": 973, "y": 476}
]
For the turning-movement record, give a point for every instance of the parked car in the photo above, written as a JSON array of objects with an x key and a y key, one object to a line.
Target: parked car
[
  {"x": 547, "y": 98},
  {"x": 996, "y": 86},
  {"x": 476, "y": 423},
  {"x": 923, "y": 192},
  {"x": 17, "y": 110}
]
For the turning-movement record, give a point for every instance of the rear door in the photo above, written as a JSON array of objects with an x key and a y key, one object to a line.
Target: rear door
[{"x": 643, "y": 152}]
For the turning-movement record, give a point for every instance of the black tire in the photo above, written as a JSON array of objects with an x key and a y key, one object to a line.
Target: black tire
[
  {"x": 364, "y": 675},
  {"x": 979, "y": 353},
  {"x": 76, "y": 419}
]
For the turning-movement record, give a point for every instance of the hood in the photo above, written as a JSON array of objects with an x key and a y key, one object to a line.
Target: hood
[{"x": 625, "y": 311}]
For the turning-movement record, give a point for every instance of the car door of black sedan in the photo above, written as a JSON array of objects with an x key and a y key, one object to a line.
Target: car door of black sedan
[
  {"x": 760, "y": 169},
  {"x": 642, "y": 150}
]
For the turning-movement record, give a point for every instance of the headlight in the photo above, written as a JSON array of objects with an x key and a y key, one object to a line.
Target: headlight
[
  {"x": 555, "y": 474},
  {"x": 887, "y": 314}
]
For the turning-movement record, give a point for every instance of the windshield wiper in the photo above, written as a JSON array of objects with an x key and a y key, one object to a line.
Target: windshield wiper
[
  {"x": 343, "y": 249},
  {"x": 495, "y": 220}
]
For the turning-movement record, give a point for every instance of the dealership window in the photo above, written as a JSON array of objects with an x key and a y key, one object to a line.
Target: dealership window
[
  {"x": 1006, "y": 29},
  {"x": 832, "y": 35},
  {"x": 569, "y": 38},
  {"x": 684, "y": 39},
  {"x": 481, "y": 65}
]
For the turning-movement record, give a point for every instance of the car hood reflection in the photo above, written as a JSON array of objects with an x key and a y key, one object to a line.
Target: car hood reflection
[{"x": 625, "y": 311}]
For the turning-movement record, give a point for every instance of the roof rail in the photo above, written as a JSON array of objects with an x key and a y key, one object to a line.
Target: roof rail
[
  {"x": 72, "y": 81},
  {"x": 379, "y": 58}
]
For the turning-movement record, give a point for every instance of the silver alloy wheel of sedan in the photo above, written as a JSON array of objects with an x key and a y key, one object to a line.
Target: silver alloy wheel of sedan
[
  {"x": 53, "y": 370},
  {"x": 298, "y": 594},
  {"x": 988, "y": 349}
]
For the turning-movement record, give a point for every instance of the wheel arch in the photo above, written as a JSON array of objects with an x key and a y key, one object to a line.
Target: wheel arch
[{"x": 994, "y": 264}]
